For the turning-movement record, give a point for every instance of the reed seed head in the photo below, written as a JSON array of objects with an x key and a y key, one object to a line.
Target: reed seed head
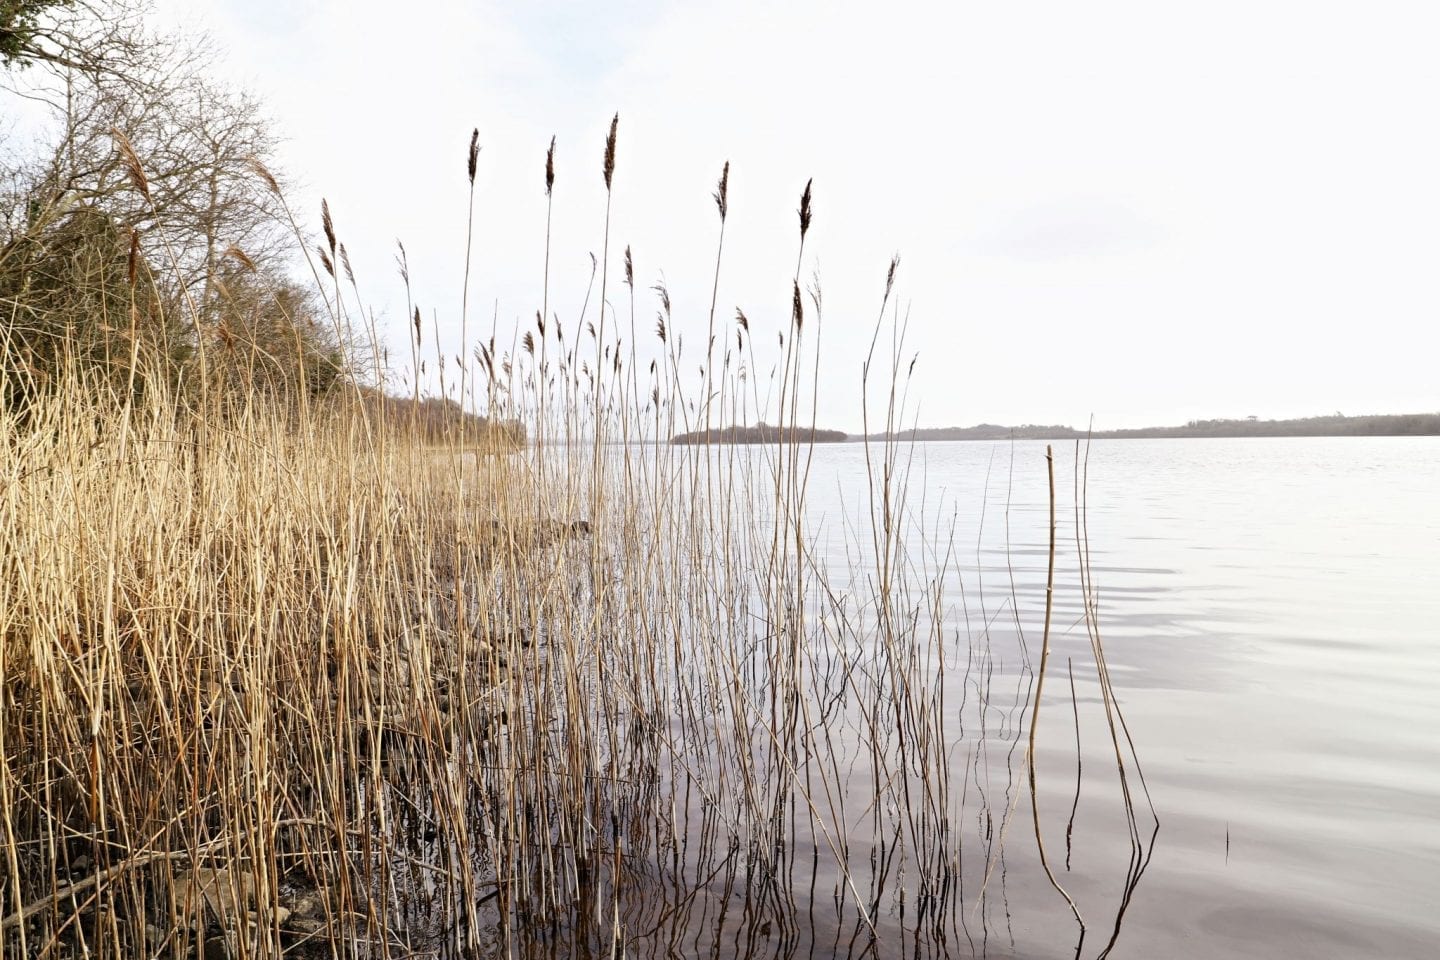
[
  {"x": 550, "y": 168},
  {"x": 610, "y": 150},
  {"x": 890, "y": 276},
  {"x": 743, "y": 320},
  {"x": 629, "y": 269},
  {"x": 325, "y": 261},
  {"x": 416, "y": 321},
  {"x": 132, "y": 162},
  {"x": 797, "y": 309},
  {"x": 327, "y": 225},
  {"x": 132, "y": 262},
  {"x": 474, "y": 155},
  {"x": 257, "y": 166},
  {"x": 233, "y": 252},
  {"x": 722, "y": 191},
  {"x": 805, "y": 208}
]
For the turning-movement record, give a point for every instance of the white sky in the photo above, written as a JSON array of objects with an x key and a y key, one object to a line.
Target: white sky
[{"x": 1148, "y": 212}]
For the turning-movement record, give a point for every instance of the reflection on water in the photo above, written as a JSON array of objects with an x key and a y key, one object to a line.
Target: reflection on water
[{"x": 1269, "y": 609}]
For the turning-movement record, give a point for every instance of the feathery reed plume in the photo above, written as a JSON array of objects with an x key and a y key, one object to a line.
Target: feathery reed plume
[
  {"x": 890, "y": 275},
  {"x": 233, "y": 252},
  {"x": 797, "y": 308},
  {"x": 474, "y": 155},
  {"x": 805, "y": 208},
  {"x": 610, "y": 150},
  {"x": 550, "y": 168},
  {"x": 660, "y": 326},
  {"x": 629, "y": 269},
  {"x": 257, "y": 166},
  {"x": 529, "y": 343},
  {"x": 403, "y": 262},
  {"x": 132, "y": 162},
  {"x": 345, "y": 262},
  {"x": 416, "y": 321},
  {"x": 327, "y": 225},
  {"x": 227, "y": 337},
  {"x": 540, "y": 324},
  {"x": 325, "y": 261},
  {"x": 743, "y": 320},
  {"x": 482, "y": 354},
  {"x": 132, "y": 261},
  {"x": 722, "y": 191}
]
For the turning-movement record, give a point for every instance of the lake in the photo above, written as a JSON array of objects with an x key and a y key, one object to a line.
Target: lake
[{"x": 1270, "y": 614}]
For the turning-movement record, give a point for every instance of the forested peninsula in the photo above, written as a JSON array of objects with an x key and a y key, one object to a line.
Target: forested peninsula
[{"x": 760, "y": 433}]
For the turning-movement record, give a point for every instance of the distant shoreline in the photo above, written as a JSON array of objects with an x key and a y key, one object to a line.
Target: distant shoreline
[
  {"x": 1388, "y": 425},
  {"x": 1393, "y": 425}
]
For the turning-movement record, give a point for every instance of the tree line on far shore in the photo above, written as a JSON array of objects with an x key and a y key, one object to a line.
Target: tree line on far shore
[{"x": 1337, "y": 425}]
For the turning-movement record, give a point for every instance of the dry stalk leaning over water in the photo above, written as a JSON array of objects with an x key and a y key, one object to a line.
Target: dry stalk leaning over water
[
  {"x": 1142, "y": 847},
  {"x": 1035, "y": 708}
]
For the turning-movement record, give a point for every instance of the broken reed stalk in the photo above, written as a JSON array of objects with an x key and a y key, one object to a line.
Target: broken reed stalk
[
  {"x": 1035, "y": 708},
  {"x": 1121, "y": 742}
]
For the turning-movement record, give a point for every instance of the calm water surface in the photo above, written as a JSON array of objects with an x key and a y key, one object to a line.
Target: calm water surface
[{"x": 1270, "y": 610}]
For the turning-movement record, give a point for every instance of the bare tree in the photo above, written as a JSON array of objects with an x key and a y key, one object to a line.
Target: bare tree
[
  {"x": 89, "y": 36},
  {"x": 156, "y": 149}
]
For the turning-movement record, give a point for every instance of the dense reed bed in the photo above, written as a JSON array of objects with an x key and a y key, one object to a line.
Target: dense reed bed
[{"x": 282, "y": 678}]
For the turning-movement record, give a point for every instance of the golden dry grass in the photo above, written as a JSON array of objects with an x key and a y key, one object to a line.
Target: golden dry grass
[{"x": 297, "y": 682}]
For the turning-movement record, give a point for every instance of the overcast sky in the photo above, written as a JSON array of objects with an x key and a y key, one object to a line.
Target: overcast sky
[{"x": 1145, "y": 212}]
